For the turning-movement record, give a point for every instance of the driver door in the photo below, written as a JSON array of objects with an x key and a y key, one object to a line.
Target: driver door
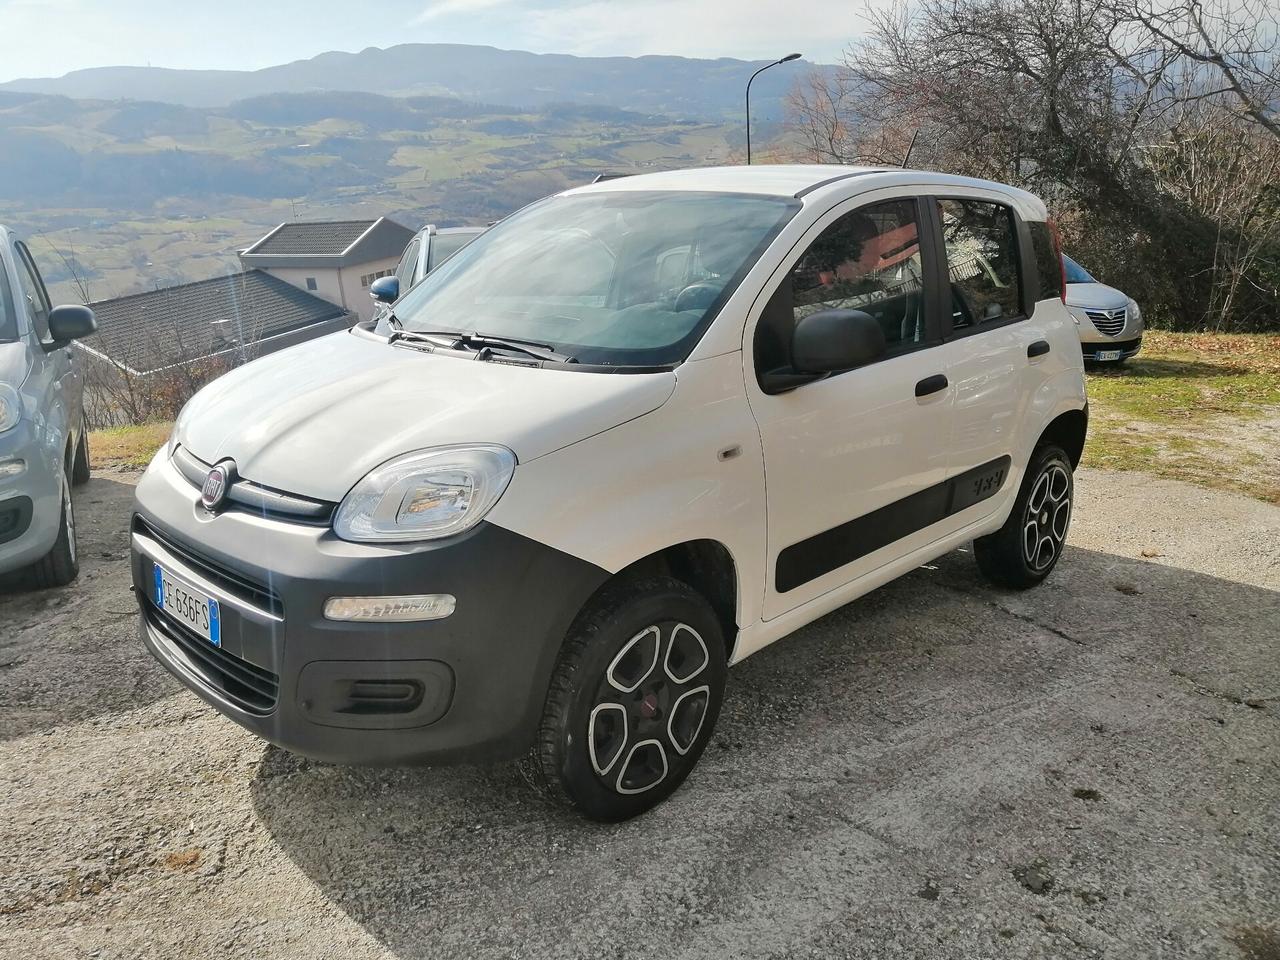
[{"x": 855, "y": 463}]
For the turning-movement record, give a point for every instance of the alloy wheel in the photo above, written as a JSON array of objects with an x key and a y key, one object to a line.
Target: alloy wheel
[
  {"x": 1048, "y": 514},
  {"x": 650, "y": 707}
]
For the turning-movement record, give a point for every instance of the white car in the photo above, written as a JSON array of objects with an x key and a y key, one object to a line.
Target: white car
[
  {"x": 628, "y": 437},
  {"x": 1110, "y": 321}
]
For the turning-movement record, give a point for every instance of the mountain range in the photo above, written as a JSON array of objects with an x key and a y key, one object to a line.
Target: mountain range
[{"x": 674, "y": 86}]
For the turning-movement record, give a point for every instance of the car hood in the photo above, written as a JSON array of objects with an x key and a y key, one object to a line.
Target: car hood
[
  {"x": 315, "y": 418},
  {"x": 15, "y": 363},
  {"x": 1095, "y": 296}
]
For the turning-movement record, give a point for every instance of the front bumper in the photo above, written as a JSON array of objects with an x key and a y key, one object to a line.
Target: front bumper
[
  {"x": 1127, "y": 348},
  {"x": 30, "y": 503},
  {"x": 468, "y": 687}
]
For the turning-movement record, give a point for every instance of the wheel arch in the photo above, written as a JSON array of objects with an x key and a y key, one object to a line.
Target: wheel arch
[
  {"x": 706, "y": 566},
  {"x": 1068, "y": 430}
]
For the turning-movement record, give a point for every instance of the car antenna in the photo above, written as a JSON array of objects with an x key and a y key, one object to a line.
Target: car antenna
[{"x": 911, "y": 146}]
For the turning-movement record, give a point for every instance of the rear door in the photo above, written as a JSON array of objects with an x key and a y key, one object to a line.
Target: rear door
[
  {"x": 993, "y": 358},
  {"x": 854, "y": 463}
]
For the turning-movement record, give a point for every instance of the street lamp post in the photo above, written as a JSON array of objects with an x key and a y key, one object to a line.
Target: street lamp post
[{"x": 787, "y": 59}]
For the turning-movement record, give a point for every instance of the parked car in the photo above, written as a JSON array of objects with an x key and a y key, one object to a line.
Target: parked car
[
  {"x": 429, "y": 248},
  {"x": 1110, "y": 321},
  {"x": 43, "y": 445},
  {"x": 629, "y": 436}
]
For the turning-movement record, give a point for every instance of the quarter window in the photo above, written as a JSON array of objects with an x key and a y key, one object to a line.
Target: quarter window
[
  {"x": 1048, "y": 266},
  {"x": 982, "y": 260}
]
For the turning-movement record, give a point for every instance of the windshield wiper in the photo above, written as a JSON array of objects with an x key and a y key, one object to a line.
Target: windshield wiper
[{"x": 482, "y": 341}]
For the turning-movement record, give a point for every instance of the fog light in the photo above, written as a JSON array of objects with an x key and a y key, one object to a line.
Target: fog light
[
  {"x": 12, "y": 468},
  {"x": 431, "y": 606}
]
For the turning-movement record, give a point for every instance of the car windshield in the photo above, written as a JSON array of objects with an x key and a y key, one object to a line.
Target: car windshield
[
  {"x": 624, "y": 278},
  {"x": 1075, "y": 272},
  {"x": 445, "y": 245},
  {"x": 8, "y": 319}
]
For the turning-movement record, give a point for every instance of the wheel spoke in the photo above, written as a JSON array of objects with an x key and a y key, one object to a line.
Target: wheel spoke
[
  {"x": 686, "y": 655},
  {"x": 635, "y": 661},
  {"x": 1059, "y": 485},
  {"x": 1061, "y": 520},
  {"x": 1030, "y": 540},
  {"x": 1039, "y": 492},
  {"x": 685, "y": 722},
  {"x": 644, "y": 768},
  {"x": 606, "y": 736}
]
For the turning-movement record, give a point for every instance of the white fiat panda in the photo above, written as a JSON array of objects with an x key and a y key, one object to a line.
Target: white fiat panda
[{"x": 626, "y": 438}]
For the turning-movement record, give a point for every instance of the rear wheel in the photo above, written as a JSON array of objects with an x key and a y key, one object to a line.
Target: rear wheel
[
  {"x": 80, "y": 463},
  {"x": 61, "y": 564},
  {"x": 1023, "y": 552},
  {"x": 633, "y": 700}
]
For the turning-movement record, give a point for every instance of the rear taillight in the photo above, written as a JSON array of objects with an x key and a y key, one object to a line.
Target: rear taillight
[{"x": 1057, "y": 249}]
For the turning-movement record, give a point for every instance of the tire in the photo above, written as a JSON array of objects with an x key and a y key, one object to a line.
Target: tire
[
  {"x": 633, "y": 700},
  {"x": 1027, "y": 548},
  {"x": 61, "y": 564},
  {"x": 80, "y": 463}
]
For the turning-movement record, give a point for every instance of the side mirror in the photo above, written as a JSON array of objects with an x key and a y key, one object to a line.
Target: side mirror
[
  {"x": 835, "y": 340},
  {"x": 71, "y": 321},
  {"x": 385, "y": 289}
]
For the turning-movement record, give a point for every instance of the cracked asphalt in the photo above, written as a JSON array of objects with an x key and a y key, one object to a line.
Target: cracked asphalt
[{"x": 940, "y": 769}]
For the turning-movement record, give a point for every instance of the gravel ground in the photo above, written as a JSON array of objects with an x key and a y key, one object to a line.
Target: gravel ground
[{"x": 937, "y": 770}]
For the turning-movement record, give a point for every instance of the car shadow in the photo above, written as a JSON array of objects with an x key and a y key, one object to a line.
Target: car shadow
[
  {"x": 857, "y": 767},
  {"x": 1140, "y": 367},
  {"x": 72, "y": 653}
]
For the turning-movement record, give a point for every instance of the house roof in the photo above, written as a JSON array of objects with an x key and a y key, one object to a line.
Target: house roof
[
  {"x": 171, "y": 326},
  {"x": 328, "y": 243}
]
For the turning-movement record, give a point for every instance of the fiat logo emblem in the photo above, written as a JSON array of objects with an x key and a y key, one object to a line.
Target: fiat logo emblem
[{"x": 214, "y": 490}]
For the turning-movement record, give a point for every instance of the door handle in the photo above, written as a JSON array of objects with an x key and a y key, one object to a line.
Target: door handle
[
  {"x": 1038, "y": 349},
  {"x": 931, "y": 385}
]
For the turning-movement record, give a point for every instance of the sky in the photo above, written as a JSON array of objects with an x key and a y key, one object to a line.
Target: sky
[{"x": 47, "y": 38}]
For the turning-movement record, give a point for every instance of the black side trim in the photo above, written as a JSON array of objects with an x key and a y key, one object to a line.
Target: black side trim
[{"x": 832, "y": 549}]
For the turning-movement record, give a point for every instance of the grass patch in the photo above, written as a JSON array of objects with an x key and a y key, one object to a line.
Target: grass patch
[
  {"x": 126, "y": 448},
  {"x": 1198, "y": 407}
]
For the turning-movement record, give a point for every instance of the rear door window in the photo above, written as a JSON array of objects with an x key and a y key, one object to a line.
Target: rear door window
[{"x": 980, "y": 237}]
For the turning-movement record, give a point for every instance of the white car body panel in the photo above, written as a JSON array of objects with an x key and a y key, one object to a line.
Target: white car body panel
[{"x": 315, "y": 418}]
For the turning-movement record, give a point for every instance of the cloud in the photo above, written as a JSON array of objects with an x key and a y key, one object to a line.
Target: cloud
[{"x": 455, "y": 8}]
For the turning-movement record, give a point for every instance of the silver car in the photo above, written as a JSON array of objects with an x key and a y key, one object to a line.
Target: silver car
[
  {"x": 1110, "y": 321},
  {"x": 43, "y": 447}
]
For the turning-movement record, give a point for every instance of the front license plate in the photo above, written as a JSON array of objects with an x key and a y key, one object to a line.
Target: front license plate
[
  {"x": 189, "y": 606},
  {"x": 1107, "y": 355}
]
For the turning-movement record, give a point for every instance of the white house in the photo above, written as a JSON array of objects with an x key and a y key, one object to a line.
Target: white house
[{"x": 334, "y": 259}]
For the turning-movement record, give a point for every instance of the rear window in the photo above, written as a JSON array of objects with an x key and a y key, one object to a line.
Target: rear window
[
  {"x": 8, "y": 318},
  {"x": 1048, "y": 270}
]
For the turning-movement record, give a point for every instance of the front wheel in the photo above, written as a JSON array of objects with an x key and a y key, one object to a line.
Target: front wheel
[
  {"x": 61, "y": 564},
  {"x": 633, "y": 700},
  {"x": 1023, "y": 552}
]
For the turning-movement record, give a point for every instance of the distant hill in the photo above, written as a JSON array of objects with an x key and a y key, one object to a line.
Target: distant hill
[{"x": 674, "y": 86}]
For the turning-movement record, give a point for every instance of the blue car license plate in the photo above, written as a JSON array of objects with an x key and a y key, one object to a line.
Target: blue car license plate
[{"x": 192, "y": 608}]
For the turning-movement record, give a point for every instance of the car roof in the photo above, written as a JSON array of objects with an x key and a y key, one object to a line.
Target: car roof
[{"x": 797, "y": 180}]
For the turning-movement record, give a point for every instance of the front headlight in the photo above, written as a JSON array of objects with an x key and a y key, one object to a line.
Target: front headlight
[
  {"x": 426, "y": 495},
  {"x": 1135, "y": 314},
  {"x": 10, "y": 407}
]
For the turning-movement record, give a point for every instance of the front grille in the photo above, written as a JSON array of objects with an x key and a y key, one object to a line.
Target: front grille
[
  {"x": 251, "y": 592},
  {"x": 1109, "y": 323},
  {"x": 248, "y": 686},
  {"x": 254, "y": 497}
]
